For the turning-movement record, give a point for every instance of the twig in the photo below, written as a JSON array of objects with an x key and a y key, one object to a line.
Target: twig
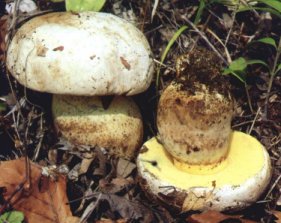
[
  {"x": 248, "y": 98},
  {"x": 232, "y": 24},
  {"x": 254, "y": 121},
  {"x": 156, "y": 2},
  {"x": 91, "y": 207},
  {"x": 273, "y": 186},
  {"x": 206, "y": 40},
  {"x": 272, "y": 75}
]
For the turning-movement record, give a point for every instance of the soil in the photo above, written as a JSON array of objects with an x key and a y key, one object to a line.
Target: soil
[
  {"x": 201, "y": 67},
  {"x": 26, "y": 127}
]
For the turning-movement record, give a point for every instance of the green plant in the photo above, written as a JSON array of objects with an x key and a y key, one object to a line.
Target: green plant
[
  {"x": 2, "y": 106},
  {"x": 12, "y": 217},
  {"x": 84, "y": 5},
  {"x": 167, "y": 49},
  {"x": 239, "y": 66},
  {"x": 272, "y": 6}
]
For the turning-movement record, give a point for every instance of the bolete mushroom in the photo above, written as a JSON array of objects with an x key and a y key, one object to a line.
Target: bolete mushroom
[
  {"x": 198, "y": 162},
  {"x": 74, "y": 55}
]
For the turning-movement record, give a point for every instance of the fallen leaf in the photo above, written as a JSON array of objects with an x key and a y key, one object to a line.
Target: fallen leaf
[
  {"x": 85, "y": 164},
  {"x": 118, "y": 206},
  {"x": 215, "y": 217},
  {"x": 117, "y": 185},
  {"x": 277, "y": 214},
  {"x": 124, "y": 167},
  {"x": 46, "y": 205},
  {"x": 111, "y": 221}
]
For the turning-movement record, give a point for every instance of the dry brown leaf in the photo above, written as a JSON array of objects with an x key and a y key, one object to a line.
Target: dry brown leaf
[
  {"x": 119, "y": 206},
  {"x": 116, "y": 185},
  {"x": 85, "y": 164},
  {"x": 46, "y": 201},
  {"x": 277, "y": 214},
  {"x": 215, "y": 217},
  {"x": 124, "y": 167},
  {"x": 111, "y": 221},
  {"x": 3, "y": 33}
]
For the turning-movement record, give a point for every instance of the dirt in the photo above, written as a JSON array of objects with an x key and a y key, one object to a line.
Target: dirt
[{"x": 201, "y": 66}]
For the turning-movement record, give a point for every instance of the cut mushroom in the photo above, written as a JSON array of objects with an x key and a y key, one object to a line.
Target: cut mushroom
[{"x": 198, "y": 162}]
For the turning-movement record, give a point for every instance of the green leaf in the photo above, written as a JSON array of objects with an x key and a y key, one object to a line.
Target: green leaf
[
  {"x": 278, "y": 69},
  {"x": 276, "y": 4},
  {"x": 268, "y": 41},
  {"x": 265, "y": 9},
  {"x": 2, "y": 106},
  {"x": 167, "y": 49},
  {"x": 239, "y": 64},
  {"x": 12, "y": 217},
  {"x": 261, "y": 62},
  {"x": 200, "y": 10},
  {"x": 84, "y": 5},
  {"x": 55, "y": 1}
]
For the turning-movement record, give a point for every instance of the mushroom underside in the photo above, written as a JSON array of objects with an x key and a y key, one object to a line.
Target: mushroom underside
[
  {"x": 233, "y": 184},
  {"x": 84, "y": 120}
]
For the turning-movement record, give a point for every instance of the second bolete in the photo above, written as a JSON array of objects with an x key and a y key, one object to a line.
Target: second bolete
[{"x": 198, "y": 162}]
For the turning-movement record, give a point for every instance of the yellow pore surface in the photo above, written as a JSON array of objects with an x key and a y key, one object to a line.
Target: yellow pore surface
[{"x": 246, "y": 158}]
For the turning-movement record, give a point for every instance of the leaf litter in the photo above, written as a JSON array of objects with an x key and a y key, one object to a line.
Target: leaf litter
[{"x": 44, "y": 201}]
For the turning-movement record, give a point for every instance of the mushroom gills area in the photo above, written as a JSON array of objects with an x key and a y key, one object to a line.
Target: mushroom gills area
[{"x": 246, "y": 159}]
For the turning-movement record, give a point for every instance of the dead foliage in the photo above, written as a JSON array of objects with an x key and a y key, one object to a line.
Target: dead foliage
[
  {"x": 40, "y": 198},
  {"x": 216, "y": 217},
  {"x": 3, "y": 34}
]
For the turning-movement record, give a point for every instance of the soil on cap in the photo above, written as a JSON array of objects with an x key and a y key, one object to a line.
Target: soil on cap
[{"x": 201, "y": 67}]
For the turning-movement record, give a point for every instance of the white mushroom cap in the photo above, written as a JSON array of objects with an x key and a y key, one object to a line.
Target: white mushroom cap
[
  {"x": 85, "y": 54},
  {"x": 235, "y": 183},
  {"x": 84, "y": 120}
]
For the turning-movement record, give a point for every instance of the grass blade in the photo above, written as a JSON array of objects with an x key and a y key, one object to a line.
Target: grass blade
[
  {"x": 278, "y": 69},
  {"x": 276, "y": 4},
  {"x": 167, "y": 49},
  {"x": 265, "y": 9},
  {"x": 200, "y": 10}
]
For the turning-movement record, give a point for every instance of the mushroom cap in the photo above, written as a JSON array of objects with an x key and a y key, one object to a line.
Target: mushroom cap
[
  {"x": 231, "y": 185},
  {"x": 87, "y": 54},
  {"x": 195, "y": 127},
  {"x": 84, "y": 120}
]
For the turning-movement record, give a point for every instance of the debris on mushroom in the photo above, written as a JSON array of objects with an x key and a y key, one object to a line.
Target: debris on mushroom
[
  {"x": 198, "y": 162},
  {"x": 85, "y": 54},
  {"x": 84, "y": 120},
  {"x": 78, "y": 57}
]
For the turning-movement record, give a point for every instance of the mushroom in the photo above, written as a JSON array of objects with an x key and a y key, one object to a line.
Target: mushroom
[
  {"x": 84, "y": 120},
  {"x": 198, "y": 162},
  {"x": 80, "y": 57}
]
